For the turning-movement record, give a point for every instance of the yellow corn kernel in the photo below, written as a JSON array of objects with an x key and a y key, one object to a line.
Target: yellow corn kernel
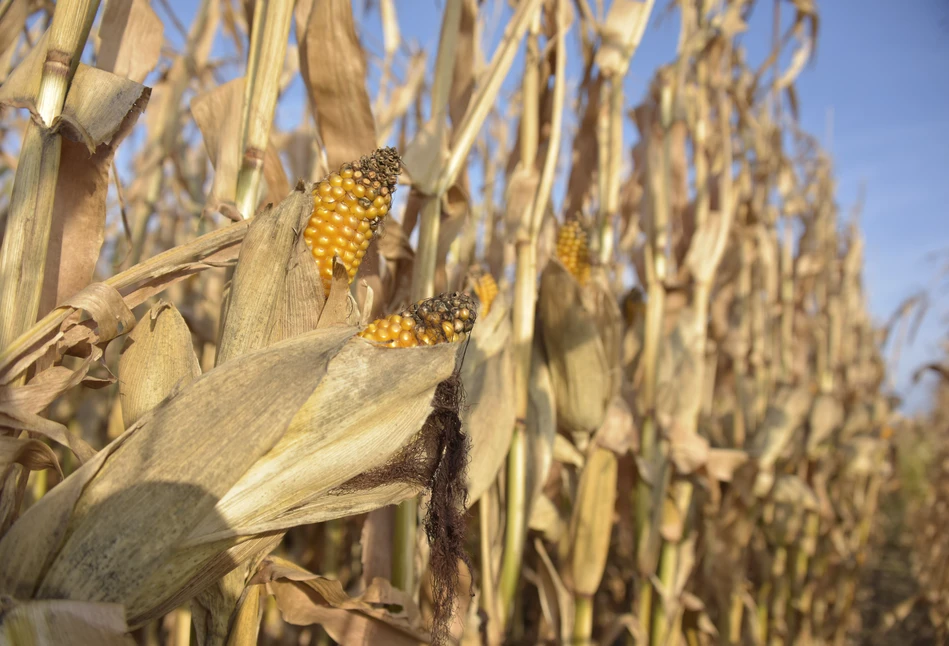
[
  {"x": 348, "y": 207},
  {"x": 573, "y": 252},
  {"x": 448, "y": 318}
]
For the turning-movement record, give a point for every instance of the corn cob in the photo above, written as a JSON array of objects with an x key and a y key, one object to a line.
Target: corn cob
[
  {"x": 448, "y": 318},
  {"x": 486, "y": 289},
  {"x": 573, "y": 252},
  {"x": 348, "y": 207}
]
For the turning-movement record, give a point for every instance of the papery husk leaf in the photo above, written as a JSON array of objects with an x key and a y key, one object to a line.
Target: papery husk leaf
[
  {"x": 621, "y": 31},
  {"x": 305, "y": 599},
  {"x": 131, "y": 39},
  {"x": 64, "y": 623},
  {"x": 19, "y": 406},
  {"x": 191, "y": 572},
  {"x": 29, "y": 546},
  {"x": 782, "y": 418},
  {"x": 546, "y": 519},
  {"x": 158, "y": 361},
  {"x": 109, "y": 308},
  {"x": 561, "y": 614},
  {"x": 541, "y": 422},
  {"x": 826, "y": 416},
  {"x": 256, "y": 300},
  {"x": 217, "y": 113},
  {"x": 228, "y": 612},
  {"x": 487, "y": 374},
  {"x": 161, "y": 478},
  {"x": 333, "y": 66},
  {"x": 618, "y": 432},
  {"x": 592, "y": 521},
  {"x": 371, "y": 404},
  {"x": 579, "y": 335},
  {"x": 565, "y": 452},
  {"x": 340, "y": 307}
]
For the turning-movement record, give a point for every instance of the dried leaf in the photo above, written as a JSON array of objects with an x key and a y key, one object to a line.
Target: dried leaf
[
  {"x": 131, "y": 39},
  {"x": 304, "y": 599},
  {"x": 333, "y": 66}
]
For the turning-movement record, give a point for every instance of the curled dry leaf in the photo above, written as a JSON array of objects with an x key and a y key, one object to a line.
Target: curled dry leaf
[
  {"x": 102, "y": 311},
  {"x": 158, "y": 360},
  {"x": 99, "y": 112},
  {"x": 305, "y": 599},
  {"x": 32, "y": 454}
]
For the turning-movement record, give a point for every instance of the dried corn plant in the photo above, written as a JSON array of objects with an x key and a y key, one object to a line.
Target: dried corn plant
[{"x": 436, "y": 364}]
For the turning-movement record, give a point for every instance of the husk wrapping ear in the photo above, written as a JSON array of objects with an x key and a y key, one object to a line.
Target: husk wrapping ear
[
  {"x": 267, "y": 436},
  {"x": 591, "y": 522},
  {"x": 489, "y": 417},
  {"x": 157, "y": 361},
  {"x": 580, "y": 327}
]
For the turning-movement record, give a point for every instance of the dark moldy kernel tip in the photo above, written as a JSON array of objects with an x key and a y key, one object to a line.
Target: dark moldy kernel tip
[{"x": 379, "y": 171}]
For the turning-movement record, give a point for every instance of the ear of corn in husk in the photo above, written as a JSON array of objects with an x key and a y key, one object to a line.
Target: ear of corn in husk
[
  {"x": 579, "y": 325},
  {"x": 487, "y": 373},
  {"x": 591, "y": 522},
  {"x": 158, "y": 361}
]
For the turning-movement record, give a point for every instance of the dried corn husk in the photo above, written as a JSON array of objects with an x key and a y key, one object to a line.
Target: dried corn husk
[
  {"x": 203, "y": 494},
  {"x": 65, "y": 623},
  {"x": 487, "y": 374},
  {"x": 580, "y": 327},
  {"x": 591, "y": 522},
  {"x": 792, "y": 499},
  {"x": 826, "y": 416},
  {"x": 157, "y": 361}
]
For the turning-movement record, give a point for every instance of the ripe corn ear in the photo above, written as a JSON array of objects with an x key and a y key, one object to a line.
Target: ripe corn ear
[
  {"x": 447, "y": 318},
  {"x": 573, "y": 250},
  {"x": 348, "y": 207},
  {"x": 486, "y": 289}
]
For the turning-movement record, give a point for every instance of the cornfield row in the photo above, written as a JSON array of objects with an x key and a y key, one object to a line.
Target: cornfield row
[{"x": 441, "y": 364}]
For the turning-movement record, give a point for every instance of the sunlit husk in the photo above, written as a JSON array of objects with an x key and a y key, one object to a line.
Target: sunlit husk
[
  {"x": 580, "y": 331},
  {"x": 591, "y": 522},
  {"x": 158, "y": 360},
  {"x": 488, "y": 418}
]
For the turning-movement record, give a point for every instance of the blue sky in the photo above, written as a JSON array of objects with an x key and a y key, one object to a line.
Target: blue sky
[{"x": 876, "y": 95}]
